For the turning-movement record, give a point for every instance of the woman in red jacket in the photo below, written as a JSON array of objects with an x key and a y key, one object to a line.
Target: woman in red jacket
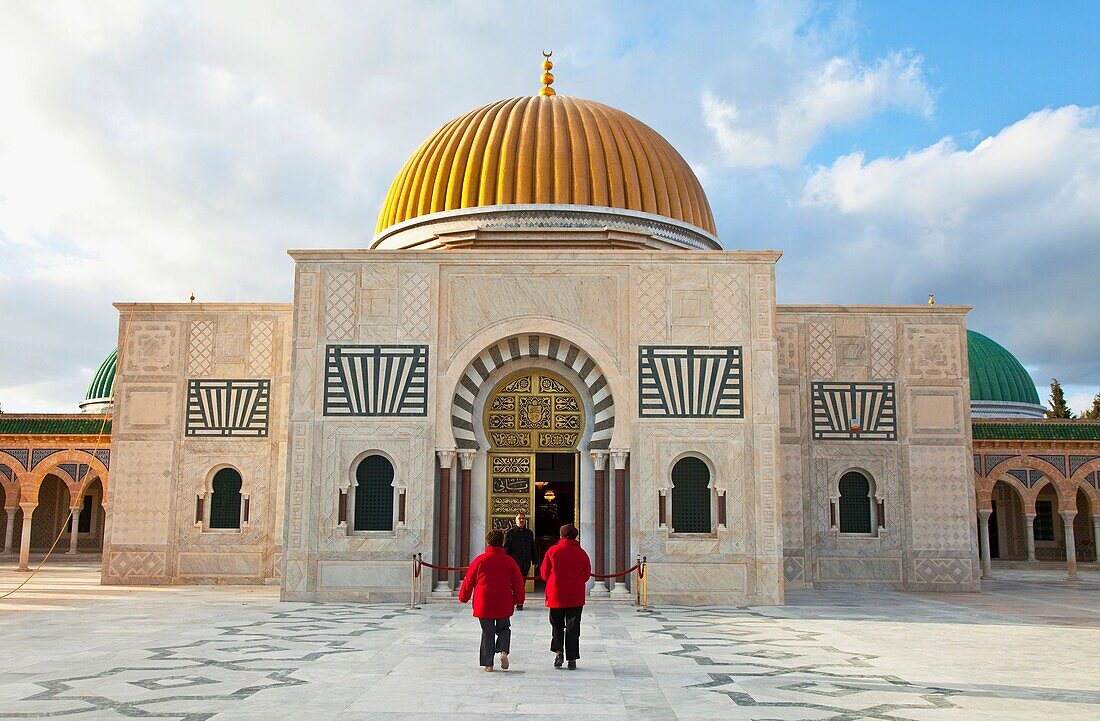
[
  {"x": 566, "y": 569},
  {"x": 494, "y": 581}
]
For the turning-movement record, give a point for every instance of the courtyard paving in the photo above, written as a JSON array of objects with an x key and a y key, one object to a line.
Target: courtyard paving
[{"x": 1024, "y": 649}]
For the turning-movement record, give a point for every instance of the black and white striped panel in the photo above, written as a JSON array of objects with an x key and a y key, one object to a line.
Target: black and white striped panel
[
  {"x": 854, "y": 411},
  {"x": 228, "y": 408},
  {"x": 376, "y": 380},
  {"x": 683, "y": 381},
  {"x": 532, "y": 346}
]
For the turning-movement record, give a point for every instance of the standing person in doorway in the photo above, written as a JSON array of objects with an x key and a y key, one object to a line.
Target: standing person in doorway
[
  {"x": 519, "y": 543},
  {"x": 566, "y": 568},
  {"x": 494, "y": 582}
]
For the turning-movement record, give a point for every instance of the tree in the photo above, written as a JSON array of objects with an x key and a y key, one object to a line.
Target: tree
[
  {"x": 1058, "y": 407},
  {"x": 1093, "y": 413}
]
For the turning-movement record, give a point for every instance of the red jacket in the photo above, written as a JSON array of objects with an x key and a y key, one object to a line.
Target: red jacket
[
  {"x": 495, "y": 582},
  {"x": 566, "y": 569}
]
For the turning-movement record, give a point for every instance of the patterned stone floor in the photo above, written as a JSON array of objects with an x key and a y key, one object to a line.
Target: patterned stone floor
[{"x": 1025, "y": 649}]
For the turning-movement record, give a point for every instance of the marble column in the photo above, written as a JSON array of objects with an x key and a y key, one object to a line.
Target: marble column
[
  {"x": 983, "y": 533},
  {"x": 1071, "y": 546},
  {"x": 466, "y": 459},
  {"x": 74, "y": 529},
  {"x": 443, "y": 514},
  {"x": 25, "y": 540},
  {"x": 9, "y": 530},
  {"x": 1029, "y": 536},
  {"x": 622, "y": 551},
  {"x": 599, "y": 465}
]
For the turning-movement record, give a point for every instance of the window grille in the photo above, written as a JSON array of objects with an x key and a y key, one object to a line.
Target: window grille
[
  {"x": 225, "y": 499},
  {"x": 374, "y": 494},
  {"x": 1044, "y": 521},
  {"x": 855, "y": 503},
  {"x": 691, "y": 496}
]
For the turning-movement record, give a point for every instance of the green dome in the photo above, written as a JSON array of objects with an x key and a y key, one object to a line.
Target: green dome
[
  {"x": 996, "y": 375},
  {"x": 103, "y": 382}
]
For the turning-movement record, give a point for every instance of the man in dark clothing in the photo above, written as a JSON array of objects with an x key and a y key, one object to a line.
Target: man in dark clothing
[{"x": 519, "y": 543}]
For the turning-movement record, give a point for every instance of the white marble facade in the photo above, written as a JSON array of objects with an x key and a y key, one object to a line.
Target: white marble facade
[{"x": 584, "y": 315}]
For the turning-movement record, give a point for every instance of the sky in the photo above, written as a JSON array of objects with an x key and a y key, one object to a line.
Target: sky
[{"x": 890, "y": 149}]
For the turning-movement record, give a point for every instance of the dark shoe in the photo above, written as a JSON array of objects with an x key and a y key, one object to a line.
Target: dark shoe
[
  {"x": 519, "y": 607},
  {"x": 559, "y": 659},
  {"x": 504, "y": 660},
  {"x": 572, "y": 665}
]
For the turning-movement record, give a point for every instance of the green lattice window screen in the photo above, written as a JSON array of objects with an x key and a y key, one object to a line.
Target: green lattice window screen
[
  {"x": 374, "y": 495},
  {"x": 855, "y": 503},
  {"x": 691, "y": 496},
  {"x": 1044, "y": 521},
  {"x": 225, "y": 499}
]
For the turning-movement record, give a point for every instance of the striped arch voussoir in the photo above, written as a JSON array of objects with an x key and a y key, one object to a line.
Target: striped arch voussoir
[{"x": 532, "y": 346}]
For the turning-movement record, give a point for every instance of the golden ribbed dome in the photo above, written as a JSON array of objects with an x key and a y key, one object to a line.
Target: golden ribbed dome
[{"x": 547, "y": 150}]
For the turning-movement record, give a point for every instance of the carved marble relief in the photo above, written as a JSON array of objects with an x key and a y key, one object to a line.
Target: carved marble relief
[{"x": 933, "y": 351}]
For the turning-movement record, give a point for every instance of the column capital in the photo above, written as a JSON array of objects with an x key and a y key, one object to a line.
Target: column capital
[
  {"x": 1067, "y": 516},
  {"x": 466, "y": 457},
  {"x": 446, "y": 457},
  {"x": 28, "y": 507},
  {"x": 1030, "y": 516},
  {"x": 619, "y": 456},
  {"x": 599, "y": 460},
  {"x": 985, "y": 513}
]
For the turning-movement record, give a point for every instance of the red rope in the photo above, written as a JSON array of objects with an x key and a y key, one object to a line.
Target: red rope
[
  {"x": 422, "y": 562},
  {"x": 605, "y": 576}
]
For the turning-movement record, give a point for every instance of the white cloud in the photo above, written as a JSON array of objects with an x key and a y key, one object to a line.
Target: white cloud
[
  {"x": 1011, "y": 226},
  {"x": 839, "y": 93}
]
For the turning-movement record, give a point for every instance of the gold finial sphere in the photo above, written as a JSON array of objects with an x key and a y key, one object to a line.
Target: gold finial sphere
[
  {"x": 931, "y": 299},
  {"x": 547, "y": 77}
]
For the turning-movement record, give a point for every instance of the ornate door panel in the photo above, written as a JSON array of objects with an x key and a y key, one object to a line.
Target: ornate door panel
[
  {"x": 534, "y": 411},
  {"x": 511, "y": 488}
]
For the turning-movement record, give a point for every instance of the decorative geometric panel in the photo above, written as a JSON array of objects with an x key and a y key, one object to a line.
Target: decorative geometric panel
[
  {"x": 691, "y": 496},
  {"x": 225, "y": 499},
  {"x": 77, "y": 471},
  {"x": 103, "y": 454},
  {"x": 1093, "y": 479},
  {"x": 855, "y": 503},
  {"x": 993, "y": 461},
  {"x": 41, "y": 454},
  {"x": 942, "y": 570},
  {"x": 227, "y": 408},
  {"x": 374, "y": 494},
  {"x": 854, "y": 411},
  {"x": 6, "y": 472},
  {"x": 200, "y": 357},
  {"x": 1029, "y": 478},
  {"x": 1075, "y": 462},
  {"x": 23, "y": 455},
  {"x": 1058, "y": 462},
  {"x": 977, "y": 464},
  {"x": 690, "y": 382},
  {"x": 376, "y": 380}
]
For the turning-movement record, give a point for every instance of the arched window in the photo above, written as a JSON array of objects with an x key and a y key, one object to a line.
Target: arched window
[
  {"x": 225, "y": 499},
  {"x": 691, "y": 496},
  {"x": 855, "y": 503},
  {"x": 374, "y": 494}
]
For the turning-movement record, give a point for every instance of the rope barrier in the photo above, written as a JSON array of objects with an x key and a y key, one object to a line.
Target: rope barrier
[{"x": 606, "y": 576}]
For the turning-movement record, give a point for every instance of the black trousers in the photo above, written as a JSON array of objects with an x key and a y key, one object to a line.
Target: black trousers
[
  {"x": 496, "y": 636},
  {"x": 566, "y": 624}
]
